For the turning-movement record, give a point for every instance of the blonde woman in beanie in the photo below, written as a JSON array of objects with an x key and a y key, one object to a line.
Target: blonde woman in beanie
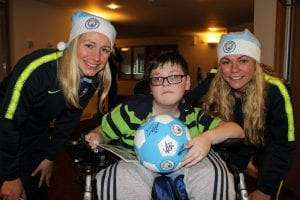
[
  {"x": 50, "y": 87},
  {"x": 242, "y": 90}
]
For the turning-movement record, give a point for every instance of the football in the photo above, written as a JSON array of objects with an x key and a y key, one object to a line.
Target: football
[{"x": 159, "y": 143}]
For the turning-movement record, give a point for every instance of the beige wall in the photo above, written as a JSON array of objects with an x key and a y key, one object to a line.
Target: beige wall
[
  {"x": 36, "y": 22},
  {"x": 264, "y": 28}
]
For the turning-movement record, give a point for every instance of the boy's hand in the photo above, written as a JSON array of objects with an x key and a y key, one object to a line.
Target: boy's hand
[
  {"x": 258, "y": 195},
  {"x": 94, "y": 138},
  {"x": 199, "y": 147}
]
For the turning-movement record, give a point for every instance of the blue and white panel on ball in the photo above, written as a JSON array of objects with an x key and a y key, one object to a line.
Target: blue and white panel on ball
[{"x": 159, "y": 143}]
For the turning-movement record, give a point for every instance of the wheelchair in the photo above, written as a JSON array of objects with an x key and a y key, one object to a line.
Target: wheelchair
[
  {"x": 223, "y": 149},
  {"x": 90, "y": 162}
]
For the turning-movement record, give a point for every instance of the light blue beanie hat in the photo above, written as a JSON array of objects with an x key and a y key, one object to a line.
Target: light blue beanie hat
[
  {"x": 83, "y": 22},
  {"x": 239, "y": 43}
]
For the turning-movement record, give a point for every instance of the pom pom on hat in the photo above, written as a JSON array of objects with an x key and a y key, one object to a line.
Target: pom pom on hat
[
  {"x": 83, "y": 22},
  {"x": 239, "y": 43},
  {"x": 62, "y": 46}
]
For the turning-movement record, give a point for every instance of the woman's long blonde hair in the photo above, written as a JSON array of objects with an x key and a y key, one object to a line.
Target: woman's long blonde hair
[
  {"x": 220, "y": 101},
  {"x": 69, "y": 78}
]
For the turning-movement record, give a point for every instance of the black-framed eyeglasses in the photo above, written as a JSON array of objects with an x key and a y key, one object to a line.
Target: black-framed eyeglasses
[{"x": 172, "y": 79}]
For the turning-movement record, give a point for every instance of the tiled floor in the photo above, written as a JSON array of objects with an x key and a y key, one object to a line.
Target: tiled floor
[{"x": 65, "y": 184}]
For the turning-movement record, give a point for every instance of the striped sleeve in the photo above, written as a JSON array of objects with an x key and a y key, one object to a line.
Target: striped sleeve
[
  {"x": 121, "y": 124},
  {"x": 205, "y": 121}
]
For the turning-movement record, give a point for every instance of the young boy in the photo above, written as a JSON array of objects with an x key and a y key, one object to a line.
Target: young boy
[{"x": 205, "y": 175}]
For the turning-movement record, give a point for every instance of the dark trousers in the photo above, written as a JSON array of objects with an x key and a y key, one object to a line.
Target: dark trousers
[
  {"x": 30, "y": 183},
  {"x": 29, "y": 161}
]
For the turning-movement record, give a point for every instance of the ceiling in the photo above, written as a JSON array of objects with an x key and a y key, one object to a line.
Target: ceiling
[{"x": 155, "y": 18}]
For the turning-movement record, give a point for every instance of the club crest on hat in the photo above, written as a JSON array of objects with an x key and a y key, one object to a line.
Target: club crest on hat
[
  {"x": 83, "y": 22},
  {"x": 229, "y": 46},
  {"x": 92, "y": 23}
]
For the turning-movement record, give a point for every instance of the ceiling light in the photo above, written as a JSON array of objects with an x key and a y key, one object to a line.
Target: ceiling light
[
  {"x": 113, "y": 6},
  {"x": 212, "y": 36},
  {"x": 217, "y": 29},
  {"x": 213, "y": 29},
  {"x": 124, "y": 49}
]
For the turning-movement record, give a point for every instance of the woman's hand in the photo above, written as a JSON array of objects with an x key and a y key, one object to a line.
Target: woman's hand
[
  {"x": 94, "y": 137},
  {"x": 12, "y": 190},
  {"x": 45, "y": 168},
  {"x": 258, "y": 195},
  {"x": 198, "y": 148},
  {"x": 224, "y": 131}
]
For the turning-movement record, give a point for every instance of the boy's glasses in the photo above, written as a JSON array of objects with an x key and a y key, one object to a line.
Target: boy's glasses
[{"x": 173, "y": 79}]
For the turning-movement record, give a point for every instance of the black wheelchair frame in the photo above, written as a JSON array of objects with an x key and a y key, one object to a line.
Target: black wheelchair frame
[
  {"x": 92, "y": 161},
  {"x": 223, "y": 149}
]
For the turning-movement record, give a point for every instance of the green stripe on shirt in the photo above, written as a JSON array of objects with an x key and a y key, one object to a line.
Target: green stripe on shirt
[
  {"x": 23, "y": 78},
  {"x": 122, "y": 123},
  {"x": 287, "y": 103}
]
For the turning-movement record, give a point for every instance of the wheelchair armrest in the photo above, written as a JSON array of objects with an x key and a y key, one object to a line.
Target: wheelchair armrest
[
  {"x": 230, "y": 144},
  {"x": 83, "y": 155},
  {"x": 86, "y": 158},
  {"x": 226, "y": 147}
]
